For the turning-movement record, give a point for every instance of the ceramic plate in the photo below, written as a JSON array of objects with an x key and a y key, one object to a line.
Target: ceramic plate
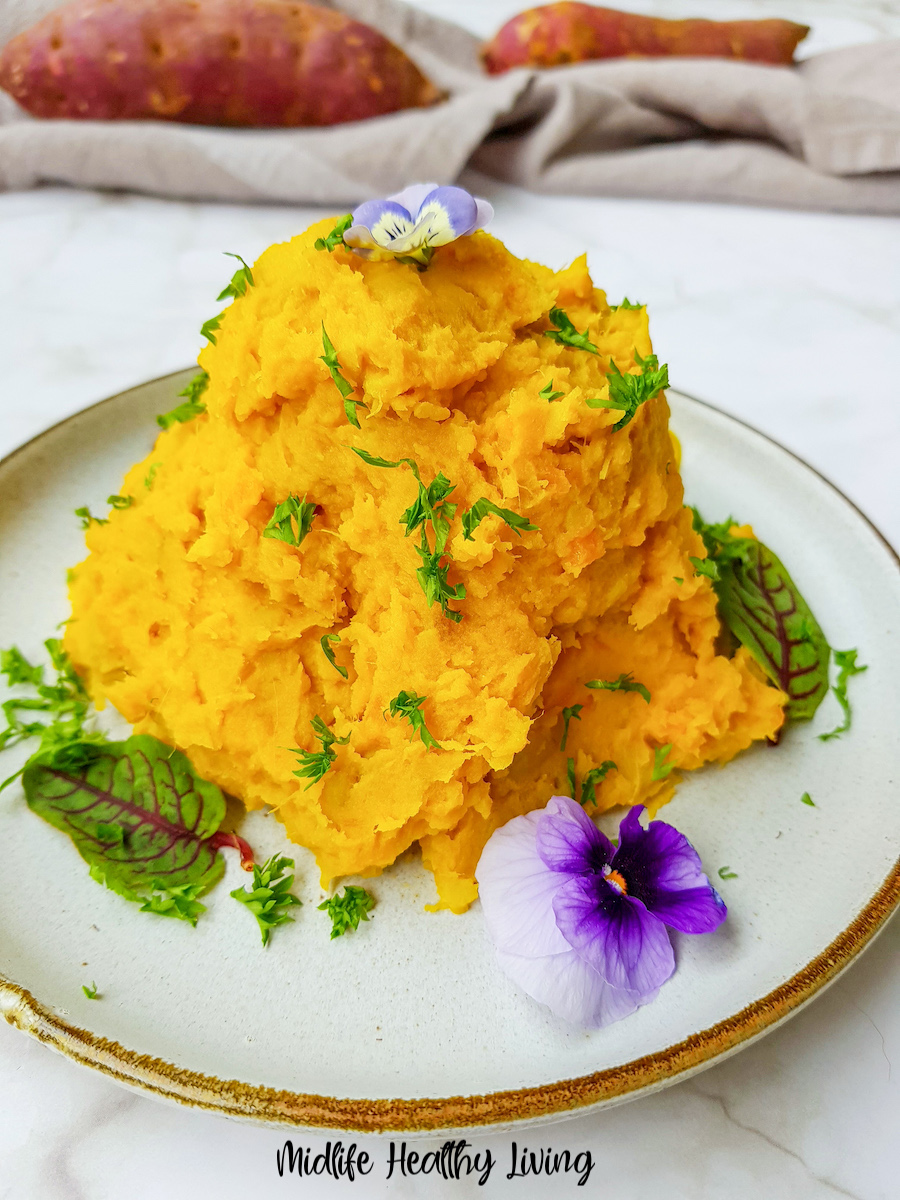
[{"x": 407, "y": 1025}]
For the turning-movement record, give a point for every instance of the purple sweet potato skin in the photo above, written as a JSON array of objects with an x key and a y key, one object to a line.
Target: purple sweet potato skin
[{"x": 209, "y": 62}]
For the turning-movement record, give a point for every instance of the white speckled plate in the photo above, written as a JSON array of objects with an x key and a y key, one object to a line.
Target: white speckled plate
[{"x": 407, "y": 1025}]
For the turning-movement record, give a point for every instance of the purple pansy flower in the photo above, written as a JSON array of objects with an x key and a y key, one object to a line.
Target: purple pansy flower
[
  {"x": 580, "y": 924},
  {"x": 412, "y": 223}
]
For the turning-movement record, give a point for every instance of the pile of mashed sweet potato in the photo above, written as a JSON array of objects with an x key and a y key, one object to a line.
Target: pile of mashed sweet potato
[{"x": 207, "y": 635}]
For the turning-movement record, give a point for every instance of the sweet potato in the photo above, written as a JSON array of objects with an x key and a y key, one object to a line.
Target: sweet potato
[
  {"x": 209, "y": 62},
  {"x": 571, "y": 32}
]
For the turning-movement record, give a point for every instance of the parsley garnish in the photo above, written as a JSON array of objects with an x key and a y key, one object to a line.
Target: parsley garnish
[
  {"x": 409, "y": 705},
  {"x": 317, "y": 762},
  {"x": 91, "y": 992},
  {"x": 240, "y": 280},
  {"x": 570, "y": 776},
  {"x": 120, "y": 501},
  {"x": 661, "y": 768},
  {"x": 288, "y": 514},
  {"x": 87, "y": 517},
  {"x": 348, "y": 910},
  {"x": 626, "y": 303},
  {"x": 336, "y": 237},
  {"x": 192, "y": 407},
  {"x": 473, "y": 517},
  {"x": 569, "y": 714},
  {"x": 65, "y": 700},
  {"x": 806, "y": 798},
  {"x": 329, "y": 653},
  {"x": 678, "y": 580},
  {"x": 845, "y": 661},
  {"x": 330, "y": 359},
  {"x": 270, "y": 896},
  {"x": 208, "y": 327},
  {"x": 726, "y": 873},
  {"x": 151, "y": 475},
  {"x": 178, "y": 901},
  {"x": 594, "y": 776},
  {"x": 547, "y": 393},
  {"x": 705, "y": 566},
  {"x": 17, "y": 669},
  {"x": 565, "y": 333},
  {"x": 625, "y": 683},
  {"x": 628, "y": 392}
]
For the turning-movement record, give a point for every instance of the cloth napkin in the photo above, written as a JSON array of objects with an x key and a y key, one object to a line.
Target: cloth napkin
[{"x": 822, "y": 135}]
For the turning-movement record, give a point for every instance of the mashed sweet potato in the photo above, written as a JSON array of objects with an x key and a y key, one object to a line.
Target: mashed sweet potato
[{"x": 207, "y": 635}]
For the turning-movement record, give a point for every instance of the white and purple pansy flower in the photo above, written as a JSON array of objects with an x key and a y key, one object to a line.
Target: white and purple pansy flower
[
  {"x": 414, "y": 222},
  {"x": 580, "y": 924}
]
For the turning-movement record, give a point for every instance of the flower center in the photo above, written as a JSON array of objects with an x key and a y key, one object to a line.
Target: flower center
[{"x": 615, "y": 879}]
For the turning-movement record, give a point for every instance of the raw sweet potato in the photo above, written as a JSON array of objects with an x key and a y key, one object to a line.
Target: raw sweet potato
[
  {"x": 209, "y": 62},
  {"x": 570, "y": 32}
]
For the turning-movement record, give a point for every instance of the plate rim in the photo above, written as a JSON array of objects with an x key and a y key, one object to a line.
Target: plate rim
[{"x": 540, "y": 1102}]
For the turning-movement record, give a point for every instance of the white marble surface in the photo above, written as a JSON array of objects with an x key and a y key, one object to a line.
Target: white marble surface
[{"x": 789, "y": 320}]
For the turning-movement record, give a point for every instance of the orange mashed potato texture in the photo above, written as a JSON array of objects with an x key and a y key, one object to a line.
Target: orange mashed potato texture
[{"x": 207, "y": 635}]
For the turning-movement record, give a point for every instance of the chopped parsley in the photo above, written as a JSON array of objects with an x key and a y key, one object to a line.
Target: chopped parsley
[
  {"x": 628, "y": 392},
  {"x": 473, "y": 517},
  {"x": 705, "y": 566},
  {"x": 240, "y": 280},
  {"x": 589, "y": 783},
  {"x": 330, "y": 359},
  {"x": 208, "y": 328},
  {"x": 336, "y": 237},
  {"x": 329, "y": 653},
  {"x": 347, "y": 910},
  {"x": 626, "y": 304},
  {"x": 269, "y": 897},
  {"x": 65, "y": 701},
  {"x": 87, "y": 517},
  {"x": 291, "y": 521},
  {"x": 151, "y": 475},
  {"x": 661, "y": 768},
  {"x": 806, "y": 798},
  {"x": 178, "y": 901},
  {"x": 120, "y": 501},
  {"x": 726, "y": 873},
  {"x": 409, "y": 705},
  {"x": 565, "y": 333},
  {"x": 678, "y": 580},
  {"x": 192, "y": 407},
  {"x": 91, "y": 992},
  {"x": 547, "y": 392},
  {"x": 316, "y": 762},
  {"x": 572, "y": 713},
  {"x": 625, "y": 683},
  {"x": 845, "y": 661}
]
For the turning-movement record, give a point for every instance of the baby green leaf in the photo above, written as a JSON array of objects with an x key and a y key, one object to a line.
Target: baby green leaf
[
  {"x": 240, "y": 280},
  {"x": 329, "y": 653},
  {"x": 845, "y": 661},
  {"x": 330, "y": 359},
  {"x": 317, "y": 762},
  {"x": 565, "y": 333},
  {"x": 409, "y": 705},
  {"x": 291, "y": 521},
  {"x": 807, "y": 799},
  {"x": 120, "y": 501},
  {"x": 176, "y": 900},
  {"x": 208, "y": 327},
  {"x": 473, "y": 517},
  {"x": 270, "y": 896},
  {"x": 763, "y": 608},
  {"x": 547, "y": 392},
  {"x": 91, "y": 992},
  {"x": 348, "y": 910},
  {"x": 589, "y": 783},
  {"x": 87, "y": 517},
  {"x": 625, "y": 683},
  {"x": 336, "y": 237},
  {"x": 726, "y": 873},
  {"x": 569, "y": 714},
  {"x": 192, "y": 407},
  {"x": 661, "y": 768},
  {"x": 629, "y": 391}
]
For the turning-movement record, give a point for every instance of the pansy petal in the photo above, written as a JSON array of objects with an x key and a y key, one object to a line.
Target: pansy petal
[
  {"x": 614, "y": 934},
  {"x": 387, "y": 222},
  {"x": 568, "y": 840},
  {"x": 412, "y": 197},
  {"x": 517, "y": 890},
  {"x": 359, "y": 237},
  {"x": 664, "y": 870},
  {"x": 446, "y": 214},
  {"x": 484, "y": 212},
  {"x": 570, "y": 988}
]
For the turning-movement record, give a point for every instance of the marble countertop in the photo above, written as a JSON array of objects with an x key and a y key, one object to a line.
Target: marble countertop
[{"x": 789, "y": 320}]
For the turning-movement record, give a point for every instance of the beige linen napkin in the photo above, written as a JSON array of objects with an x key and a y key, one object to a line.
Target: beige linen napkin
[{"x": 824, "y": 134}]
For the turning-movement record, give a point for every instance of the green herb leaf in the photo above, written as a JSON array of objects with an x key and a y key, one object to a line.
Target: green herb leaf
[
  {"x": 565, "y": 333},
  {"x": 87, "y": 517},
  {"x": 763, "y": 608},
  {"x": 18, "y": 670},
  {"x": 625, "y": 683},
  {"x": 473, "y": 517},
  {"x": 270, "y": 896},
  {"x": 408, "y": 704},
  {"x": 432, "y": 577},
  {"x": 240, "y": 280},
  {"x": 291, "y": 521},
  {"x": 547, "y": 392},
  {"x": 626, "y": 304},
  {"x": 317, "y": 762},
  {"x": 177, "y": 901},
  {"x": 705, "y": 566},
  {"x": 661, "y": 768},
  {"x": 807, "y": 799},
  {"x": 120, "y": 501},
  {"x": 330, "y": 359},
  {"x": 151, "y": 475},
  {"x": 91, "y": 992},
  {"x": 192, "y": 407},
  {"x": 568, "y": 715},
  {"x": 65, "y": 701},
  {"x": 374, "y": 461},
  {"x": 336, "y": 237},
  {"x": 726, "y": 873},
  {"x": 570, "y": 776},
  {"x": 329, "y": 653},
  {"x": 678, "y": 580},
  {"x": 845, "y": 661},
  {"x": 589, "y": 783},
  {"x": 346, "y": 911},
  {"x": 208, "y": 327},
  {"x": 629, "y": 391}
]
